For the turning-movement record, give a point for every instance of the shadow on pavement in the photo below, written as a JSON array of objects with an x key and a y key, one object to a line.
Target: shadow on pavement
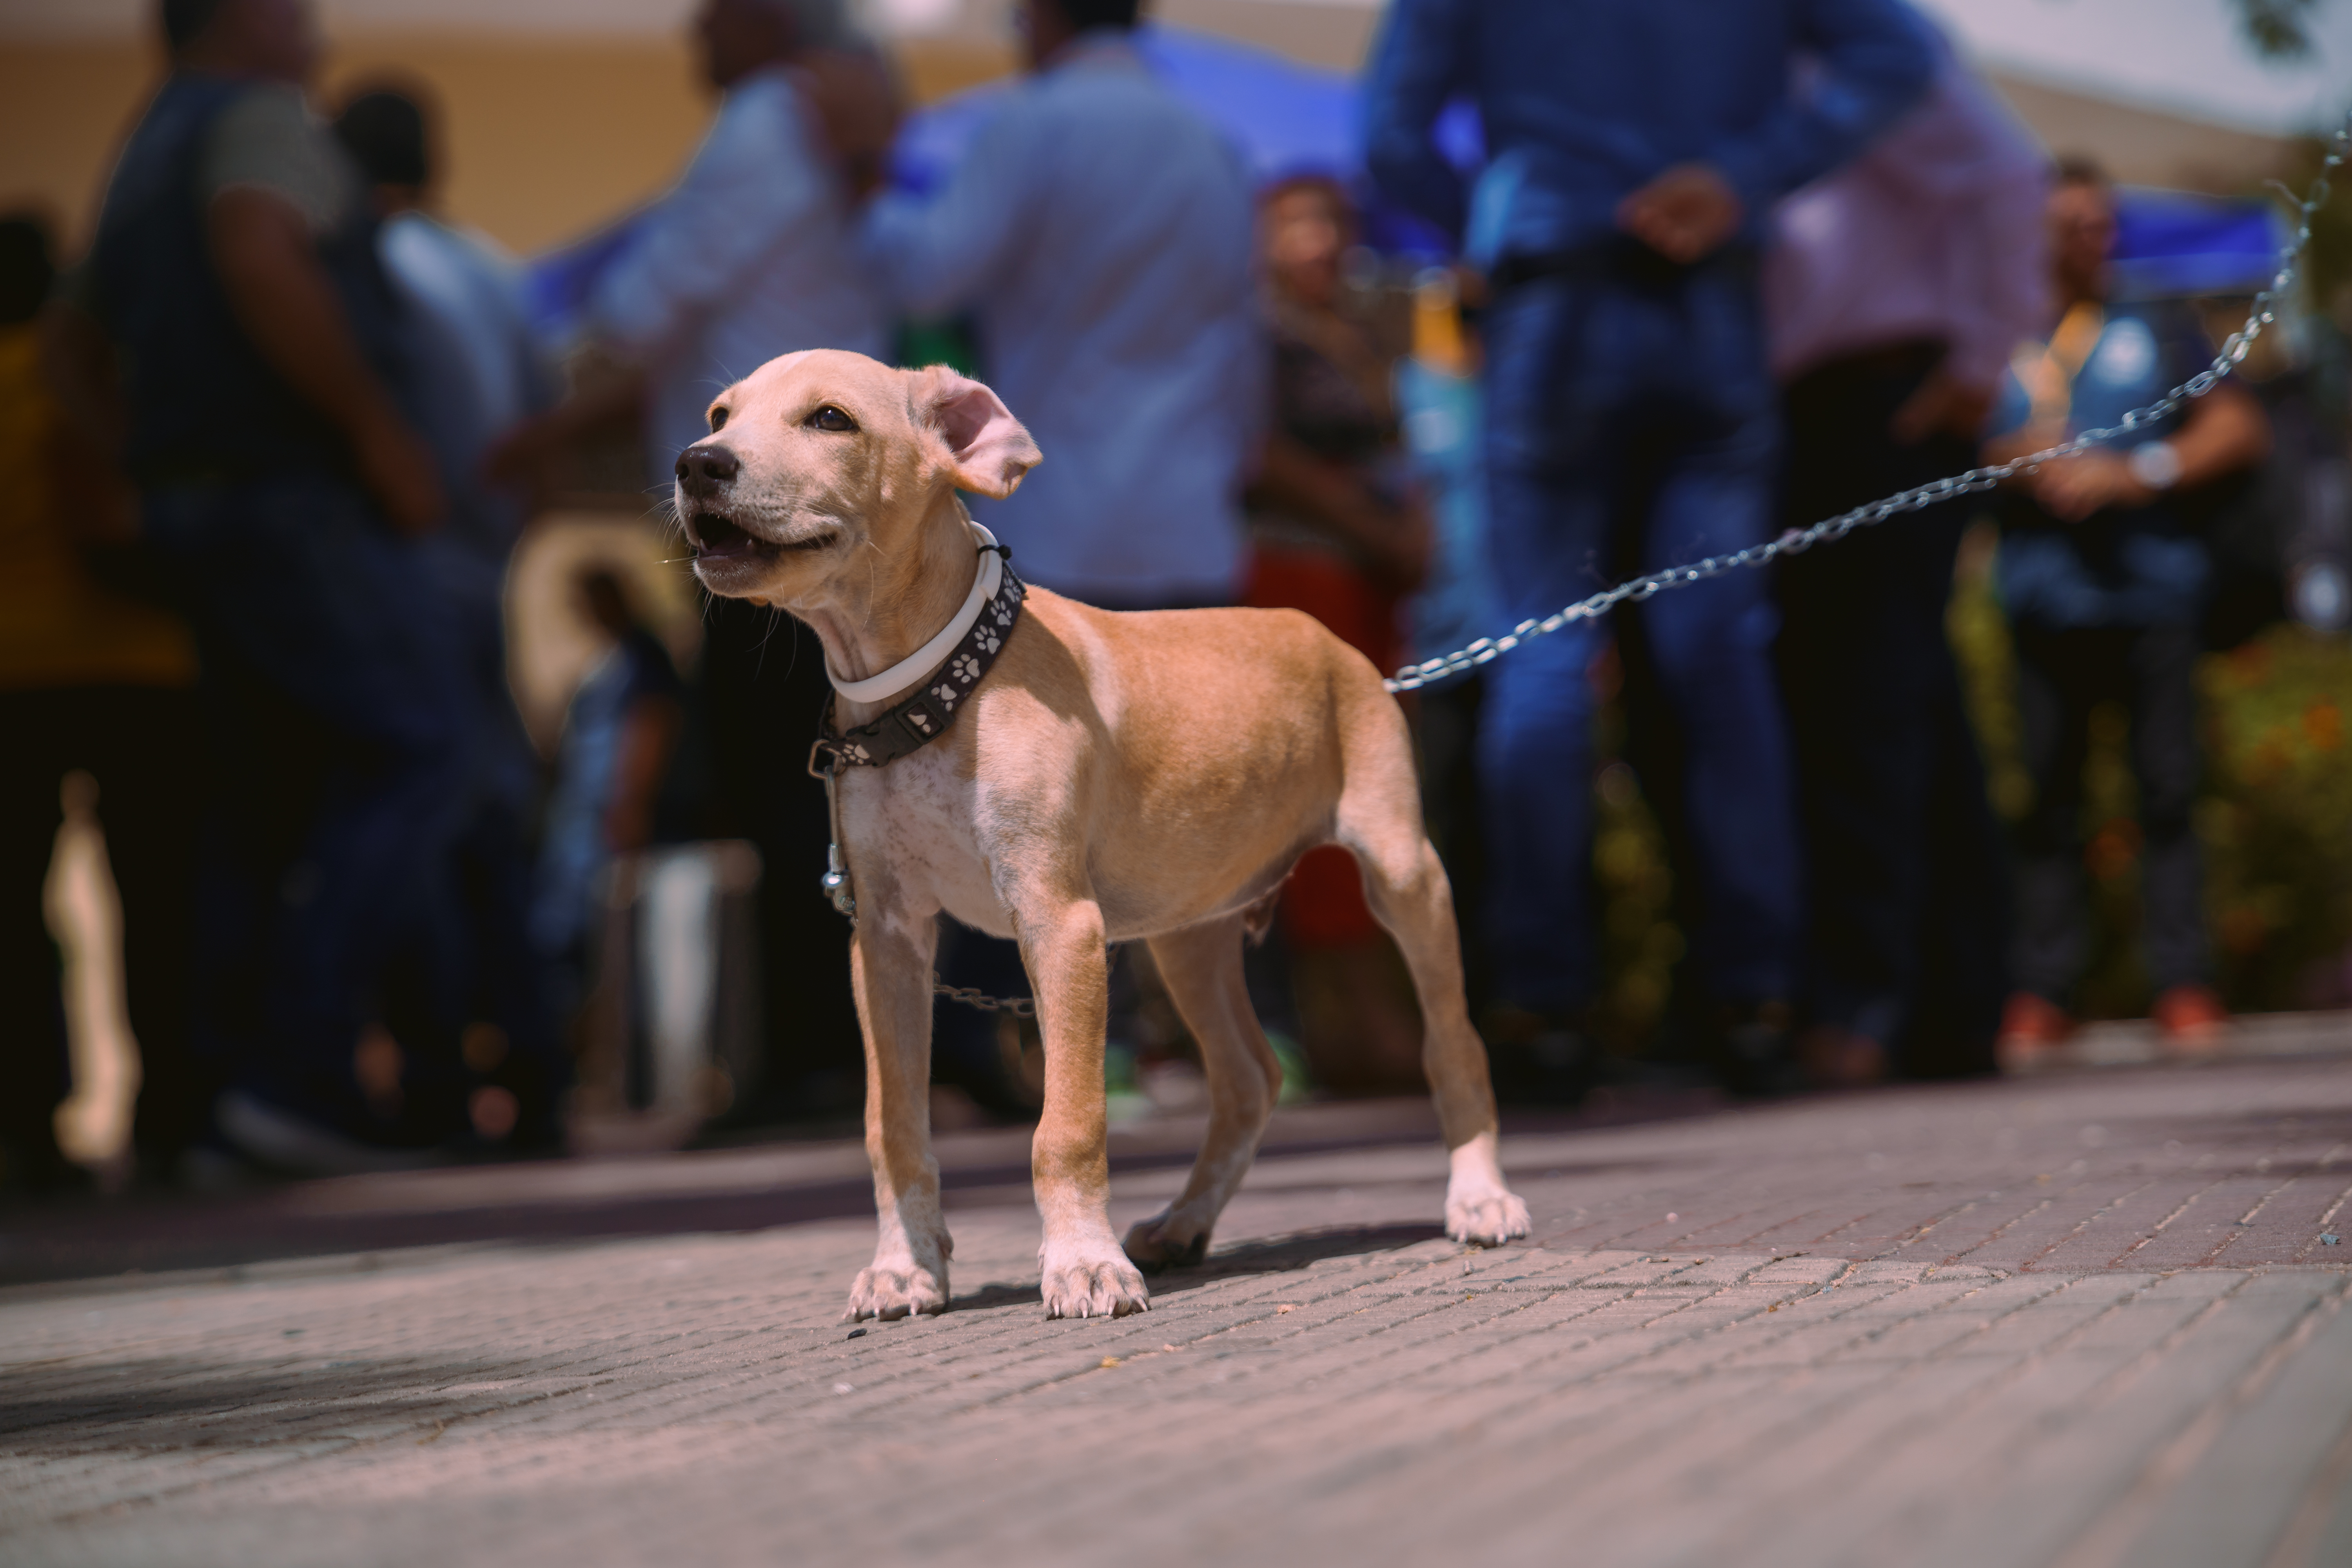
[
  {"x": 149, "y": 1406},
  {"x": 1282, "y": 1254},
  {"x": 739, "y": 1189}
]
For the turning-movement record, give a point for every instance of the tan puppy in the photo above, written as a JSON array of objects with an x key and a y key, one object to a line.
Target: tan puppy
[{"x": 1115, "y": 777}]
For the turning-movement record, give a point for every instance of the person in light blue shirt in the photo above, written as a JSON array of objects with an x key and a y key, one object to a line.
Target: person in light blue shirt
[
  {"x": 1440, "y": 409},
  {"x": 477, "y": 372},
  {"x": 1442, "y": 417},
  {"x": 1633, "y": 151},
  {"x": 1100, "y": 231},
  {"x": 748, "y": 257}
]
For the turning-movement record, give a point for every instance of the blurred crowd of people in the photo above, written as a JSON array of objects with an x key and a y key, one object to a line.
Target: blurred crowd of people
[{"x": 271, "y": 444}]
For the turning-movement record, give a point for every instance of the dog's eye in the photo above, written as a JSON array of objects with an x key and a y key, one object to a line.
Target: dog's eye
[
  {"x": 831, "y": 419},
  {"x": 718, "y": 420}
]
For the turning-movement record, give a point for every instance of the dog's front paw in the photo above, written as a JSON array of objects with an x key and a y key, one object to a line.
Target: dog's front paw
[
  {"x": 1486, "y": 1217},
  {"x": 1089, "y": 1285},
  {"x": 888, "y": 1293},
  {"x": 1151, "y": 1247}
]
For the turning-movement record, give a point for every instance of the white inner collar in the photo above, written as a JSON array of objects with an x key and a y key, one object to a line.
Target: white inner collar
[{"x": 904, "y": 675}]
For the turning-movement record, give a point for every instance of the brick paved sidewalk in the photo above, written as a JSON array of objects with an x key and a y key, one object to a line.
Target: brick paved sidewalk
[{"x": 2081, "y": 1320}]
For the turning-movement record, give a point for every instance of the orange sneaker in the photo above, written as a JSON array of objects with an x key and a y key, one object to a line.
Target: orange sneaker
[
  {"x": 2191, "y": 1018},
  {"x": 2031, "y": 1028},
  {"x": 1841, "y": 1059}
]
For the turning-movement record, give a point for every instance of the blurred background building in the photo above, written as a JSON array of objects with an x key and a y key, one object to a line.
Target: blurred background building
[{"x": 561, "y": 113}]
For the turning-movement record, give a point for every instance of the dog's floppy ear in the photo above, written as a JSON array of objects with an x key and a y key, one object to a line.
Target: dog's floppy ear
[{"x": 987, "y": 450}]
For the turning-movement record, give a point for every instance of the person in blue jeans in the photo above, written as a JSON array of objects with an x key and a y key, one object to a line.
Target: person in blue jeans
[
  {"x": 1633, "y": 152},
  {"x": 235, "y": 274}
]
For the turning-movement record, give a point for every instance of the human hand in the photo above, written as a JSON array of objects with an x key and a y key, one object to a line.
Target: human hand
[
  {"x": 398, "y": 469},
  {"x": 2072, "y": 489},
  {"x": 105, "y": 513},
  {"x": 856, "y": 108},
  {"x": 1392, "y": 541},
  {"x": 1941, "y": 404},
  {"x": 1683, "y": 214},
  {"x": 520, "y": 457},
  {"x": 628, "y": 823}
]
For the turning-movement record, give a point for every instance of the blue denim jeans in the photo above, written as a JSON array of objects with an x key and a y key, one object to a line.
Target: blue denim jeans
[
  {"x": 1631, "y": 422},
  {"x": 338, "y": 718}
]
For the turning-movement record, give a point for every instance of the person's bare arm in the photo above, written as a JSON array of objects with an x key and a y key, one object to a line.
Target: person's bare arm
[
  {"x": 77, "y": 365},
  {"x": 2009, "y": 445},
  {"x": 1395, "y": 540},
  {"x": 524, "y": 457},
  {"x": 2224, "y": 431},
  {"x": 1944, "y": 404},
  {"x": 649, "y": 731},
  {"x": 262, "y": 251},
  {"x": 857, "y": 112}
]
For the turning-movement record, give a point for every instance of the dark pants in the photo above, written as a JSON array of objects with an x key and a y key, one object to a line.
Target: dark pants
[
  {"x": 1622, "y": 402},
  {"x": 333, "y": 695},
  {"x": 141, "y": 745},
  {"x": 470, "y": 960},
  {"x": 764, "y": 694},
  {"x": 1447, "y": 729},
  {"x": 2062, "y": 675},
  {"x": 1908, "y": 906}
]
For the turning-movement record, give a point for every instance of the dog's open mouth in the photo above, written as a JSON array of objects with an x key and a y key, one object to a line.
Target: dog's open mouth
[{"x": 715, "y": 537}]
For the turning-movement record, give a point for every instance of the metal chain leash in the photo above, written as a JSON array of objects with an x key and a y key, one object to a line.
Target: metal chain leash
[
  {"x": 1795, "y": 540},
  {"x": 835, "y": 884},
  {"x": 1485, "y": 649},
  {"x": 972, "y": 996},
  {"x": 1019, "y": 1007}
]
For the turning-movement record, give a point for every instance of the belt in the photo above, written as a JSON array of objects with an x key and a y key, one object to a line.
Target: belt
[{"x": 1622, "y": 258}]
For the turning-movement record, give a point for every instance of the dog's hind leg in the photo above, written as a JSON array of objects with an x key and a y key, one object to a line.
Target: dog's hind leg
[
  {"x": 1380, "y": 819},
  {"x": 891, "y": 971},
  {"x": 1082, "y": 1272},
  {"x": 1202, "y": 967}
]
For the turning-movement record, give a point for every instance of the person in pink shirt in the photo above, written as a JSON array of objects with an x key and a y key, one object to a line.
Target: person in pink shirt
[{"x": 1895, "y": 289}]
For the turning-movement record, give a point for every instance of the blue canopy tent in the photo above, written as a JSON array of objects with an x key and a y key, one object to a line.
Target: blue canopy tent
[
  {"x": 2168, "y": 244},
  {"x": 1286, "y": 119}
]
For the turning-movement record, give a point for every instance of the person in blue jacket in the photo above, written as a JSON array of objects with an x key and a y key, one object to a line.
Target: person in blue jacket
[{"x": 1632, "y": 153}]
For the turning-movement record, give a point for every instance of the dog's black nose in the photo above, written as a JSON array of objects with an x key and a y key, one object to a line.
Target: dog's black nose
[{"x": 705, "y": 469}]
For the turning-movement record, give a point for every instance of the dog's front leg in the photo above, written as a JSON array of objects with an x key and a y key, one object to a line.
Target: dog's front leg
[
  {"x": 1085, "y": 1272},
  {"x": 890, "y": 970}
]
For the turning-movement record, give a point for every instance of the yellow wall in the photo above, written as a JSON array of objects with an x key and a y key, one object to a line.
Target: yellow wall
[
  {"x": 545, "y": 138},
  {"x": 62, "y": 107}
]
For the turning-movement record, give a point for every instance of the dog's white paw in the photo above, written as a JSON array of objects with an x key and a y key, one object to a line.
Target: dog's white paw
[
  {"x": 1486, "y": 1217},
  {"x": 1151, "y": 1247},
  {"x": 887, "y": 1293},
  {"x": 1081, "y": 1285}
]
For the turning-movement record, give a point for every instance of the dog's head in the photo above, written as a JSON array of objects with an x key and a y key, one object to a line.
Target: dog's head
[{"x": 823, "y": 462}]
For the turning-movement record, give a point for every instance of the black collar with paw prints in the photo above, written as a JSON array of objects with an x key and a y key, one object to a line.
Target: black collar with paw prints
[{"x": 924, "y": 715}]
